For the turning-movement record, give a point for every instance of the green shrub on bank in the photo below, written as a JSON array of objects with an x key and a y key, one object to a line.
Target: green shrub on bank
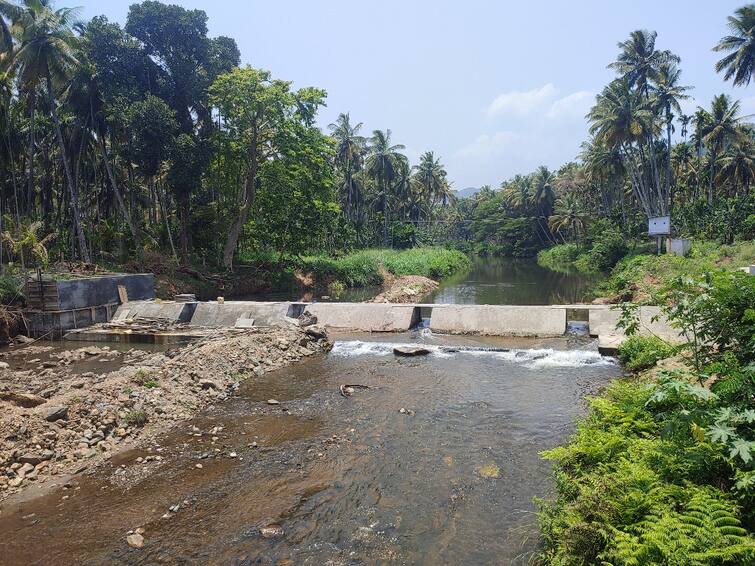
[
  {"x": 640, "y": 278},
  {"x": 633, "y": 493},
  {"x": 638, "y": 353},
  {"x": 560, "y": 257},
  {"x": 364, "y": 268}
]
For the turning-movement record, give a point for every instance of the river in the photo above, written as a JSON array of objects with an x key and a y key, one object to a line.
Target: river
[{"x": 435, "y": 461}]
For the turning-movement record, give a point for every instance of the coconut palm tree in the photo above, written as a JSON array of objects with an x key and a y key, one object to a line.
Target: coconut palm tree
[
  {"x": 738, "y": 164},
  {"x": 739, "y": 63},
  {"x": 639, "y": 61},
  {"x": 668, "y": 93},
  {"x": 569, "y": 215},
  {"x": 431, "y": 177},
  {"x": 720, "y": 129},
  {"x": 46, "y": 55},
  {"x": 517, "y": 193},
  {"x": 350, "y": 148},
  {"x": 382, "y": 165},
  {"x": 623, "y": 118}
]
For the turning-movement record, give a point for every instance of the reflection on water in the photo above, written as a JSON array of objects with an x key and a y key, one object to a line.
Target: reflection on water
[
  {"x": 505, "y": 281},
  {"x": 437, "y": 462}
]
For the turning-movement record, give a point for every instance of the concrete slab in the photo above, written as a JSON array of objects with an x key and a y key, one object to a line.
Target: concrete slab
[
  {"x": 499, "y": 320},
  {"x": 164, "y": 310},
  {"x": 226, "y": 314},
  {"x": 365, "y": 317},
  {"x": 603, "y": 323}
]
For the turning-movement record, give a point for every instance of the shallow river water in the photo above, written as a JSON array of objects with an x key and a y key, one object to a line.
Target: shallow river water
[{"x": 437, "y": 462}]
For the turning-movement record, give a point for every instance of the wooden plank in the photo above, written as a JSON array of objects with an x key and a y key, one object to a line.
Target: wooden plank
[{"x": 122, "y": 294}]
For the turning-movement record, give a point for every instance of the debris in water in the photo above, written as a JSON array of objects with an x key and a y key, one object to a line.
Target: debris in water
[
  {"x": 410, "y": 351},
  {"x": 405, "y": 411},
  {"x": 489, "y": 470},
  {"x": 348, "y": 390},
  {"x": 448, "y": 461},
  {"x": 273, "y": 402},
  {"x": 272, "y": 531}
]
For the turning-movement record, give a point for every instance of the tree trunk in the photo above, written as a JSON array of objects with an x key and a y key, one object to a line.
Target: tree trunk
[
  {"x": 712, "y": 176},
  {"x": 30, "y": 158},
  {"x": 117, "y": 192},
  {"x": 72, "y": 188},
  {"x": 248, "y": 194}
]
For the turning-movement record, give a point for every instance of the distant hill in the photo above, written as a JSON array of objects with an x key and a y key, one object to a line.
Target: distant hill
[{"x": 466, "y": 193}]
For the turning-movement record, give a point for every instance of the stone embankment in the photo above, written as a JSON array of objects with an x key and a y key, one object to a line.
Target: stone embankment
[{"x": 55, "y": 421}]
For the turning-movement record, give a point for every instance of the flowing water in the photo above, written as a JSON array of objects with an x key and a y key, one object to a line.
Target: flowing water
[
  {"x": 431, "y": 460},
  {"x": 435, "y": 463}
]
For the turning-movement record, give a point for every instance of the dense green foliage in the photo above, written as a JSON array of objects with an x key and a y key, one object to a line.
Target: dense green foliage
[
  {"x": 366, "y": 267},
  {"x": 642, "y": 352},
  {"x": 641, "y": 277},
  {"x": 125, "y": 141},
  {"x": 662, "y": 471}
]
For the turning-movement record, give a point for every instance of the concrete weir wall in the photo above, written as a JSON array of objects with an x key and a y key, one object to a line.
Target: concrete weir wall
[
  {"x": 366, "y": 317},
  {"x": 499, "y": 320}
]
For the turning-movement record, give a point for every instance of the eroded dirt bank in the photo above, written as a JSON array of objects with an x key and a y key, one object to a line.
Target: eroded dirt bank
[{"x": 65, "y": 412}]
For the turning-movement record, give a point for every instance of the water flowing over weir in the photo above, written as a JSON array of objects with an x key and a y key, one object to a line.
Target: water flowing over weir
[{"x": 436, "y": 462}]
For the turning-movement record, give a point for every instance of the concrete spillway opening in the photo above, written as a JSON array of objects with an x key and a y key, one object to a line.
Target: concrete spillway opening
[
  {"x": 295, "y": 310},
  {"x": 421, "y": 317}
]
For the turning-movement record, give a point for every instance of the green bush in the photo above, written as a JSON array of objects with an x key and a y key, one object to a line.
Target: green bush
[
  {"x": 364, "y": 268},
  {"x": 642, "y": 352},
  {"x": 607, "y": 249},
  {"x": 631, "y": 493},
  {"x": 559, "y": 257}
]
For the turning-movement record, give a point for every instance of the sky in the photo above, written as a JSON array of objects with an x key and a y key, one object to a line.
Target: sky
[{"x": 494, "y": 88}]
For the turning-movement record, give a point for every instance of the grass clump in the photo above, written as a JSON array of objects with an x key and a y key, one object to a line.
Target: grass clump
[
  {"x": 145, "y": 378},
  {"x": 136, "y": 417},
  {"x": 638, "y": 353}
]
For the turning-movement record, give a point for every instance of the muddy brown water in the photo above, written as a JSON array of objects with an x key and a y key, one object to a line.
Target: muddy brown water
[{"x": 450, "y": 480}]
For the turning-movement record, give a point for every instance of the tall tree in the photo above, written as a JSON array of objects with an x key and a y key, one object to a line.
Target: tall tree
[
  {"x": 46, "y": 55},
  {"x": 668, "y": 93},
  {"x": 382, "y": 165},
  {"x": 350, "y": 149},
  {"x": 719, "y": 130},
  {"x": 255, "y": 108},
  {"x": 739, "y": 63},
  {"x": 176, "y": 38}
]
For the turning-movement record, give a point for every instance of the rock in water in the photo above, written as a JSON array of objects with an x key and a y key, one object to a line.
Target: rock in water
[
  {"x": 410, "y": 351},
  {"x": 56, "y": 413},
  {"x": 317, "y": 331},
  {"x": 273, "y": 402},
  {"x": 135, "y": 541}
]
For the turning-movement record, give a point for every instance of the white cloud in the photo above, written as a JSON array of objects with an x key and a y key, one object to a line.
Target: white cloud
[
  {"x": 575, "y": 105},
  {"x": 521, "y": 102},
  {"x": 488, "y": 145}
]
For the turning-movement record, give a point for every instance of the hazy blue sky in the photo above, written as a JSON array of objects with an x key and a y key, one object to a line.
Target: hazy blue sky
[{"x": 494, "y": 88}]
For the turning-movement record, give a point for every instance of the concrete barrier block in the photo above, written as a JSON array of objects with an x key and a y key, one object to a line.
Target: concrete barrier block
[
  {"x": 603, "y": 323},
  {"x": 499, "y": 320},
  {"x": 365, "y": 317}
]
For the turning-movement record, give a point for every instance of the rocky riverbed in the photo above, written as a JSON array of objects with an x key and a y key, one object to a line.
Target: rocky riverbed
[{"x": 56, "y": 420}]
